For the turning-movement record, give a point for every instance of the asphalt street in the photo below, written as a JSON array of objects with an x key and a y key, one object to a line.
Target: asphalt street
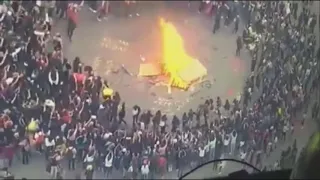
[{"x": 126, "y": 41}]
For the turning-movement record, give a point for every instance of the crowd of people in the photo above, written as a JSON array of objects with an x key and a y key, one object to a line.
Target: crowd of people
[
  {"x": 285, "y": 54},
  {"x": 64, "y": 111}
]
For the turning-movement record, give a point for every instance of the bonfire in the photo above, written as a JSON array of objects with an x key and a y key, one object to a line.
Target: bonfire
[{"x": 181, "y": 69}]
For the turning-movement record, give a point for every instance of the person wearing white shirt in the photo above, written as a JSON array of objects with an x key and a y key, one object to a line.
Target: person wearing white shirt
[
  {"x": 145, "y": 170},
  {"x": 243, "y": 156},
  {"x": 212, "y": 147},
  {"x": 276, "y": 166},
  {"x": 284, "y": 132},
  {"x": 162, "y": 125},
  {"x": 275, "y": 142},
  {"x": 89, "y": 158},
  {"x": 108, "y": 162},
  {"x": 48, "y": 103},
  {"x": 201, "y": 154},
  {"x": 54, "y": 81},
  {"x": 226, "y": 143},
  {"x": 135, "y": 113},
  {"x": 221, "y": 164},
  {"x": 234, "y": 136},
  {"x": 142, "y": 126},
  {"x": 49, "y": 144}
]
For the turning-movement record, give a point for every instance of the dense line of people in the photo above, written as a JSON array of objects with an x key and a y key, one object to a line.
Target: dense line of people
[
  {"x": 66, "y": 112},
  {"x": 283, "y": 46}
]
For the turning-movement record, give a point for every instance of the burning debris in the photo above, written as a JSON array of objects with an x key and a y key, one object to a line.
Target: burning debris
[{"x": 181, "y": 69}]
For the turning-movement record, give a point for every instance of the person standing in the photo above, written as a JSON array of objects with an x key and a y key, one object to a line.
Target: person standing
[
  {"x": 61, "y": 8},
  {"x": 145, "y": 169},
  {"x": 236, "y": 24},
  {"x": 181, "y": 162},
  {"x": 233, "y": 142},
  {"x": 103, "y": 10},
  {"x": 89, "y": 171},
  {"x": 51, "y": 4},
  {"x": 108, "y": 162},
  {"x": 239, "y": 46},
  {"x": 243, "y": 156},
  {"x": 49, "y": 143},
  {"x": 122, "y": 114},
  {"x": 253, "y": 63},
  {"x": 71, "y": 156},
  {"x": 212, "y": 147},
  {"x": 202, "y": 5},
  {"x": 54, "y": 164},
  {"x": 216, "y": 25},
  {"x": 8, "y": 152},
  {"x": 201, "y": 151},
  {"x": 226, "y": 143},
  {"x": 135, "y": 113},
  {"x": 25, "y": 150},
  {"x": 221, "y": 164},
  {"x": 72, "y": 14},
  {"x": 126, "y": 163}
]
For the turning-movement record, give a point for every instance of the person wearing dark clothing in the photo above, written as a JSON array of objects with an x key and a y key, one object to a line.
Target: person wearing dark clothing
[
  {"x": 122, "y": 114},
  {"x": 77, "y": 67},
  {"x": 315, "y": 110},
  {"x": 236, "y": 24},
  {"x": 253, "y": 64},
  {"x": 216, "y": 25},
  {"x": 25, "y": 150},
  {"x": 202, "y": 5},
  {"x": 71, "y": 156},
  {"x": 175, "y": 123},
  {"x": 181, "y": 162},
  {"x": 61, "y": 9},
  {"x": 126, "y": 163},
  {"x": 227, "y": 105},
  {"x": 295, "y": 10},
  {"x": 135, "y": 113},
  {"x": 89, "y": 172},
  {"x": 313, "y": 23},
  {"x": 239, "y": 46}
]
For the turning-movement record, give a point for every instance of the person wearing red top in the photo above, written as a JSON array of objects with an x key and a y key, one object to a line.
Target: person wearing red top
[
  {"x": 38, "y": 139},
  {"x": 9, "y": 153},
  {"x": 79, "y": 80},
  {"x": 162, "y": 164},
  {"x": 72, "y": 14}
]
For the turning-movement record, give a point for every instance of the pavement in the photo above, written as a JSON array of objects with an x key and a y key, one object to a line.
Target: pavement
[
  {"x": 118, "y": 41},
  {"x": 123, "y": 40}
]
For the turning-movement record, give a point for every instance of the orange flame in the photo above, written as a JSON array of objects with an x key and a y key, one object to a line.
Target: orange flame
[{"x": 175, "y": 59}]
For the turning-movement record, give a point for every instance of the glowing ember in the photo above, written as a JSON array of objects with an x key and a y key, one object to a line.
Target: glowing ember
[{"x": 177, "y": 64}]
